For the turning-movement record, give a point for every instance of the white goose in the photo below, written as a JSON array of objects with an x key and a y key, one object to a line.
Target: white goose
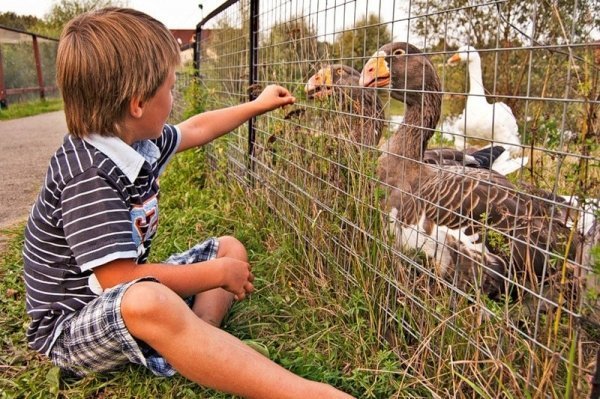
[{"x": 480, "y": 119}]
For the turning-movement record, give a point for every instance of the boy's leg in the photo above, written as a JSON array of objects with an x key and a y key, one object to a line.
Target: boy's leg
[
  {"x": 212, "y": 306},
  {"x": 206, "y": 354}
]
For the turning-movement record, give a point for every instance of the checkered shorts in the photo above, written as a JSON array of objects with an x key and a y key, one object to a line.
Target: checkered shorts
[{"x": 95, "y": 339}]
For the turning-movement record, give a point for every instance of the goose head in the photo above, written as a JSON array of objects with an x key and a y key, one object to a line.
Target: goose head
[
  {"x": 466, "y": 54},
  {"x": 403, "y": 68},
  {"x": 321, "y": 84}
]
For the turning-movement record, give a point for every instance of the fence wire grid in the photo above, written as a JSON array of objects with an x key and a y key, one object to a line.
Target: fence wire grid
[
  {"x": 27, "y": 66},
  {"x": 472, "y": 228}
]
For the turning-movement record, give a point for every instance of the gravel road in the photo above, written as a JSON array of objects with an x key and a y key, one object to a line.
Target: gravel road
[{"x": 26, "y": 145}]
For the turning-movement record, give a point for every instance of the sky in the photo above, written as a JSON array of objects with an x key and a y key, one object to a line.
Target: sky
[
  {"x": 185, "y": 14},
  {"x": 175, "y": 14}
]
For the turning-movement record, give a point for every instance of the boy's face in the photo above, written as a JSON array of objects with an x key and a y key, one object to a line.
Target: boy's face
[{"x": 157, "y": 110}]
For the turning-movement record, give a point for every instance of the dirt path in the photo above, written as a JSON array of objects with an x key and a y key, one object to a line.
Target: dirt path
[{"x": 26, "y": 145}]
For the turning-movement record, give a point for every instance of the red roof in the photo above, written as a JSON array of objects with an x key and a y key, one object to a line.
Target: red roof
[{"x": 183, "y": 36}]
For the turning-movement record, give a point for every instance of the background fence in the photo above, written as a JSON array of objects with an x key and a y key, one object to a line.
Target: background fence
[
  {"x": 27, "y": 66},
  {"x": 435, "y": 292}
]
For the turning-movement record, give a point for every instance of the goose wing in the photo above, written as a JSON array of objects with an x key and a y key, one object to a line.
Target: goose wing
[
  {"x": 484, "y": 158},
  {"x": 513, "y": 225}
]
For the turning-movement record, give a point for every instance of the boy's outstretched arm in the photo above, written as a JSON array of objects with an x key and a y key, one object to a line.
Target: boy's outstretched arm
[{"x": 207, "y": 126}]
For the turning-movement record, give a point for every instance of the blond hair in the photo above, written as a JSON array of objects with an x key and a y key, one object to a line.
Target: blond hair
[{"x": 107, "y": 57}]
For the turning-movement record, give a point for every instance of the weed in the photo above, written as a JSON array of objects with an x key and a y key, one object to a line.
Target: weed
[{"x": 20, "y": 110}]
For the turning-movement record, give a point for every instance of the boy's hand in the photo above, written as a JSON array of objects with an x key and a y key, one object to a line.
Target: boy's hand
[
  {"x": 274, "y": 96},
  {"x": 237, "y": 278}
]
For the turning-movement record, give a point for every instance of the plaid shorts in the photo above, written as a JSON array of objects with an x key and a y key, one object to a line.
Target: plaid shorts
[{"x": 95, "y": 339}]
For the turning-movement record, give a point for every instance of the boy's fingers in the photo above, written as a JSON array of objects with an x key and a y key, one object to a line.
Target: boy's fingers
[
  {"x": 287, "y": 101},
  {"x": 248, "y": 288}
]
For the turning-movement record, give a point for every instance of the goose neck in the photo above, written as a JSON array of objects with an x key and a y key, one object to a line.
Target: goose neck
[
  {"x": 420, "y": 119},
  {"x": 475, "y": 77}
]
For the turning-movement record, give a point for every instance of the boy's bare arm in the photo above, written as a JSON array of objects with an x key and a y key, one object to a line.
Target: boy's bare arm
[
  {"x": 207, "y": 126},
  {"x": 230, "y": 274}
]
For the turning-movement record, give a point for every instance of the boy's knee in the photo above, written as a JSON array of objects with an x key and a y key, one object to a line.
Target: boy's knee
[
  {"x": 147, "y": 303},
  {"x": 232, "y": 247}
]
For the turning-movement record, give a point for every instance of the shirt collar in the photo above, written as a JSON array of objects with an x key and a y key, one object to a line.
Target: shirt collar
[{"x": 129, "y": 159}]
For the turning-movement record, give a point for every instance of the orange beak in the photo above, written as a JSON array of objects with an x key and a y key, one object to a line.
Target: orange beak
[
  {"x": 319, "y": 85},
  {"x": 376, "y": 72},
  {"x": 454, "y": 60}
]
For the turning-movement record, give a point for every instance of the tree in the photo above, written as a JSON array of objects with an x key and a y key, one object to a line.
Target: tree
[
  {"x": 290, "y": 51},
  {"x": 510, "y": 23},
  {"x": 65, "y": 10},
  {"x": 354, "y": 46},
  {"x": 20, "y": 22}
]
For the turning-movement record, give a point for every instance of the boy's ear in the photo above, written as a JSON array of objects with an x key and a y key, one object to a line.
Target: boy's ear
[{"x": 136, "y": 107}]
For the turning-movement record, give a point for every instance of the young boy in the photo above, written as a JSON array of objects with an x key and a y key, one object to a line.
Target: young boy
[{"x": 94, "y": 302}]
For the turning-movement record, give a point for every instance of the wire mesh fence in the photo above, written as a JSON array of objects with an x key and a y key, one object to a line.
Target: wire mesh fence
[
  {"x": 442, "y": 159},
  {"x": 27, "y": 66},
  {"x": 181, "y": 101}
]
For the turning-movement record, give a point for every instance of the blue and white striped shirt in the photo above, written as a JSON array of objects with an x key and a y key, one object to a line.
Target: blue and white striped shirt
[{"x": 99, "y": 203}]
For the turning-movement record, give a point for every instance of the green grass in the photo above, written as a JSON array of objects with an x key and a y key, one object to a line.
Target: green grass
[
  {"x": 331, "y": 304},
  {"x": 305, "y": 328},
  {"x": 21, "y": 110}
]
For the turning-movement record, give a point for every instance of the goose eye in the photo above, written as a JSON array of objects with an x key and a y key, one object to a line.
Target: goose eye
[
  {"x": 398, "y": 52},
  {"x": 339, "y": 71}
]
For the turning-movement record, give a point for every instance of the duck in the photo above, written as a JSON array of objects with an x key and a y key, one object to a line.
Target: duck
[
  {"x": 361, "y": 109},
  {"x": 493, "y": 123},
  {"x": 340, "y": 82},
  {"x": 475, "y": 226}
]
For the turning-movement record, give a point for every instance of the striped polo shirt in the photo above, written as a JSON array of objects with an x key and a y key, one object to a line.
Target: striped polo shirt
[{"x": 98, "y": 203}]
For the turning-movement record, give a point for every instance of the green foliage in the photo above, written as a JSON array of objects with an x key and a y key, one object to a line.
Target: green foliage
[
  {"x": 354, "y": 46},
  {"x": 25, "y": 23},
  {"x": 595, "y": 253},
  {"x": 547, "y": 132},
  {"x": 20, "y": 110},
  {"x": 196, "y": 99},
  {"x": 494, "y": 240},
  {"x": 227, "y": 51},
  {"x": 20, "y": 66},
  {"x": 61, "y": 12},
  {"x": 307, "y": 330},
  {"x": 296, "y": 47},
  {"x": 64, "y": 10},
  {"x": 459, "y": 21}
]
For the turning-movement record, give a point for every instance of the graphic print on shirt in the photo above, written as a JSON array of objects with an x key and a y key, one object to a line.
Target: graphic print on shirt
[{"x": 144, "y": 222}]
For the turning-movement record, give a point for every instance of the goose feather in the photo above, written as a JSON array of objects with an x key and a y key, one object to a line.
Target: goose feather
[{"x": 492, "y": 233}]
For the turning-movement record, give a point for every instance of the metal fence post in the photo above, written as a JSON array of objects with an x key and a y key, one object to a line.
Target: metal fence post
[
  {"x": 197, "y": 51},
  {"x": 253, "y": 59},
  {"x": 595, "y": 393},
  {"x": 3, "y": 102},
  {"x": 38, "y": 67}
]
